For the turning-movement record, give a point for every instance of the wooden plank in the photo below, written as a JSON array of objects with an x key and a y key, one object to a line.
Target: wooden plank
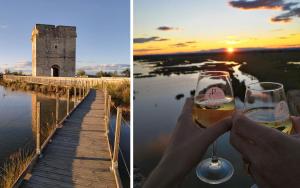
[{"x": 78, "y": 155}]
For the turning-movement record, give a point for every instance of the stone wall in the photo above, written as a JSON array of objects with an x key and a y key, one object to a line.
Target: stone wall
[{"x": 53, "y": 46}]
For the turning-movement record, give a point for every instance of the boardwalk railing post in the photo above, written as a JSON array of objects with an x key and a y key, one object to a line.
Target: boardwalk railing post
[
  {"x": 105, "y": 110},
  {"x": 79, "y": 93},
  {"x": 68, "y": 101},
  {"x": 75, "y": 95},
  {"x": 117, "y": 139},
  {"x": 38, "y": 128},
  {"x": 56, "y": 110},
  {"x": 108, "y": 114}
]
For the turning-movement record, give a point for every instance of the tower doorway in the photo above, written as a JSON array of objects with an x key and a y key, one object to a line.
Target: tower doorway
[{"x": 55, "y": 71}]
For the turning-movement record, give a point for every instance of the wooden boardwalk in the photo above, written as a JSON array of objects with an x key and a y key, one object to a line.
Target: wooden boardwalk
[{"x": 79, "y": 154}]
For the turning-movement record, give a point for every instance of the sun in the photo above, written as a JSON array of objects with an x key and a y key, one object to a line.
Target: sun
[{"x": 230, "y": 50}]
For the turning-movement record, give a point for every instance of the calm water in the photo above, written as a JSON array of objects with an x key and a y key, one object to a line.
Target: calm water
[
  {"x": 155, "y": 115},
  {"x": 17, "y": 114}
]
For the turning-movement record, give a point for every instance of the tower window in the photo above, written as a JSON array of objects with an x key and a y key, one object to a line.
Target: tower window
[{"x": 55, "y": 46}]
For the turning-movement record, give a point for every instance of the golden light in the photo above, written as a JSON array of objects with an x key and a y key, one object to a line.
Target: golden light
[{"x": 230, "y": 50}]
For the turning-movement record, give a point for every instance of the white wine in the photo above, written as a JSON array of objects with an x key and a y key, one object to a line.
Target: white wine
[
  {"x": 266, "y": 116},
  {"x": 206, "y": 113}
]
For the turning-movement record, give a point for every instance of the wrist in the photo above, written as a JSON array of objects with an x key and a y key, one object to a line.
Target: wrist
[{"x": 166, "y": 174}]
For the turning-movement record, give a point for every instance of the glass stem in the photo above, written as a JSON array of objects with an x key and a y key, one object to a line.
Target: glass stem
[{"x": 214, "y": 157}]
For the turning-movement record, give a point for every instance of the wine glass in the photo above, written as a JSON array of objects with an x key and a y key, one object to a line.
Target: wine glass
[
  {"x": 265, "y": 103},
  {"x": 213, "y": 101}
]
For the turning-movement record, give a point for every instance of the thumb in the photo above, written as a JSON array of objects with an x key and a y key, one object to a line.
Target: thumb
[
  {"x": 219, "y": 128},
  {"x": 296, "y": 123}
]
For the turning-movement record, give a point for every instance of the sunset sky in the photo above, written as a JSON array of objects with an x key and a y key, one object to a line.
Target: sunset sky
[
  {"x": 171, "y": 26},
  {"x": 103, "y": 31}
]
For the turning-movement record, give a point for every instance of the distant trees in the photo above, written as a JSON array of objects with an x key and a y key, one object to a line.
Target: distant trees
[
  {"x": 17, "y": 73},
  {"x": 81, "y": 73},
  {"x": 126, "y": 72},
  {"x": 6, "y": 71},
  {"x": 101, "y": 73},
  {"x": 107, "y": 74}
]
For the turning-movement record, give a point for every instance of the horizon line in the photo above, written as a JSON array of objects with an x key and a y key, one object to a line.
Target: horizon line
[{"x": 223, "y": 50}]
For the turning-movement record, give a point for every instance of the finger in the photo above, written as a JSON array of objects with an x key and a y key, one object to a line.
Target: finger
[
  {"x": 188, "y": 106},
  {"x": 216, "y": 130},
  {"x": 296, "y": 123},
  {"x": 244, "y": 146},
  {"x": 186, "y": 113},
  {"x": 249, "y": 129}
]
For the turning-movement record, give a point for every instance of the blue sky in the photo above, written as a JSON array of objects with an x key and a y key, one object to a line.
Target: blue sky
[{"x": 103, "y": 30}]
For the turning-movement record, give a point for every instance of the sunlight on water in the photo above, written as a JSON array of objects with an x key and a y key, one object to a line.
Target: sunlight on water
[
  {"x": 241, "y": 76},
  {"x": 293, "y": 63}
]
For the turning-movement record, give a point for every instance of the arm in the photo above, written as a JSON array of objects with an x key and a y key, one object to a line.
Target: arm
[{"x": 187, "y": 145}]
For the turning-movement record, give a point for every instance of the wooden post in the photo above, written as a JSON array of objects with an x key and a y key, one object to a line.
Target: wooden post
[
  {"x": 117, "y": 139},
  {"x": 68, "y": 101},
  {"x": 75, "y": 95},
  {"x": 56, "y": 110},
  {"x": 79, "y": 94},
  {"x": 38, "y": 128},
  {"x": 108, "y": 114},
  {"x": 105, "y": 110}
]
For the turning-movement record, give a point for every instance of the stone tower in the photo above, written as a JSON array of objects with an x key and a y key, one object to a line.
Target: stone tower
[{"x": 53, "y": 50}]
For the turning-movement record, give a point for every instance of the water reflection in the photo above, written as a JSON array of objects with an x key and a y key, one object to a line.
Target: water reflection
[
  {"x": 18, "y": 118},
  {"x": 243, "y": 77},
  {"x": 48, "y": 112}
]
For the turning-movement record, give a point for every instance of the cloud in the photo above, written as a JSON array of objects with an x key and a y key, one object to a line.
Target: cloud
[
  {"x": 181, "y": 44},
  {"x": 166, "y": 28},
  {"x": 287, "y": 16},
  {"x": 149, "y": 39},
  {"x": 92, "y": 69},
  {"x": 23, "y": 65},
  {"x": 184, "y": 44},
  {"x": 289, "y": 8},
  {"x": 20, "y": 65},
  {"x": 191, "y": 42},
  {"x": 258, "y": 4}
]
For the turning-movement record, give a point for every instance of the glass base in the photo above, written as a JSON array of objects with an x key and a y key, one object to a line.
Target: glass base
[
  {"x": 214, "y": 172},
  {"x": 254, "y": 186}
]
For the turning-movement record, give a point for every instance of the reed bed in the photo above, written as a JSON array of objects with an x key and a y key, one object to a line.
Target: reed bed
[{"x": 15, "y": 164}]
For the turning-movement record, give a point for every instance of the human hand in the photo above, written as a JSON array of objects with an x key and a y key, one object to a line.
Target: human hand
[
  {"x": 187, "y": 146},
  {"x": 274, "y": 157}
]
